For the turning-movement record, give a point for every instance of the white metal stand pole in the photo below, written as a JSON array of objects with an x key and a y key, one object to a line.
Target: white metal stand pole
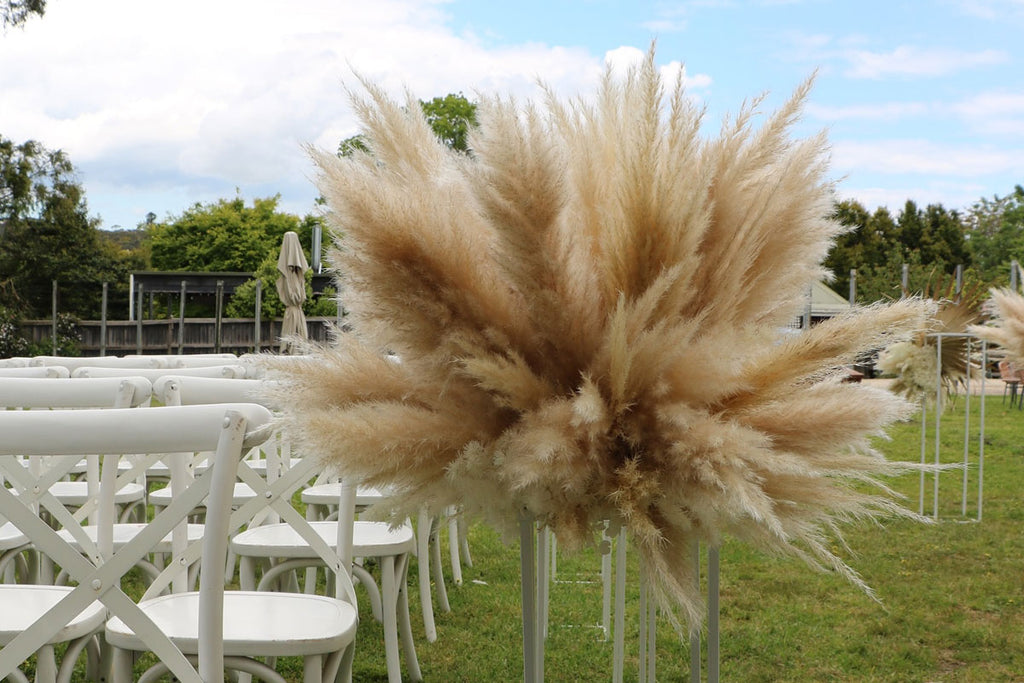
[
  {"x": 981, "y": 427},
  {"x": 967, "y": 429},
  {"x": 694, "y": 633},
  {"x": 938, "y": 426},
  {"x": 713, "y": 612},
  {"x": 619, "y": 635},
  {"x": 533, "y": 652},
  {"x": 924, "y": 431}
]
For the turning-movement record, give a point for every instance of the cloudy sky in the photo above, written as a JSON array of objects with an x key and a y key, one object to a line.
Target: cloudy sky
[{"x": 164, "y": 104}]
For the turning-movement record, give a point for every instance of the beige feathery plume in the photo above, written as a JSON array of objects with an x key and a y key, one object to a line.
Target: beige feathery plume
[
  {"x": 918, "y": 363},
  {"x": 587, "y": 312},
  {"x": 1006, "y": 327}
]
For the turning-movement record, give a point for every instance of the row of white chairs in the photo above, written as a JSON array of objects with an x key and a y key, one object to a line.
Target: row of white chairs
[
  {"x": 96, "y": 366},
  {"x": 211, "y": 627},
  {"x": 156, "y": 367},
  {"x": 205, "y": 390}
]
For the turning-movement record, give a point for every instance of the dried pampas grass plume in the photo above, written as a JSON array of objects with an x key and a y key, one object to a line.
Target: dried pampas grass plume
[
  {"x": 917, "y": 362},
  {"x": 586, "y": 310},
  {"x": 1006, "y": 327}
]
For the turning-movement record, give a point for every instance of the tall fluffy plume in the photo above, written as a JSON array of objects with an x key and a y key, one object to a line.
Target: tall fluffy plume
[
  {"x": 586, "y": 317},
  {"x": 1006, "y": 327},
  {"x": 921, "y": 363}
]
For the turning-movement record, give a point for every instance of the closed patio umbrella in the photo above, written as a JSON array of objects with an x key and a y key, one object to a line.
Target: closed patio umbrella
[{"x": 291, "y": 287}]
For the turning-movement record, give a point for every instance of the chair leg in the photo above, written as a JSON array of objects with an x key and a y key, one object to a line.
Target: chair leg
[
  {"x": 423, "y": 565},
  {"x": 464, "y": 542},
  {"x": 313, "y": 669},
  {"x": 121, "y": 666},
  {"x": 435, "y": 565},
  {"x": 453, "y": 549},
  {"x": 389, "y": 598},
  {"x": 404, "y": 623}
]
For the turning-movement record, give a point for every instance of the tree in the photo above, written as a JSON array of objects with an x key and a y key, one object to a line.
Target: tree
[
  {"x": 995, "y": 235},
  {"x": 46, "y": 234},
  {"x": 224, "y": 236},
  {"x": 451, "y": 117},
  {"x": 17, "y": 12}
]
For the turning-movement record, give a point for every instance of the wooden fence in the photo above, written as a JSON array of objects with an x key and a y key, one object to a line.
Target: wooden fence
[{"x": 195, "y": 335}]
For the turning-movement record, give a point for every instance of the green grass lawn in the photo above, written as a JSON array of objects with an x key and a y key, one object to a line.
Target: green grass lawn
[{"x": 951, "y": 595}]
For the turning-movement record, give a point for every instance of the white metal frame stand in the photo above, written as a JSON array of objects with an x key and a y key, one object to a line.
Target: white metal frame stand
[{"x": 939, "y": 336}]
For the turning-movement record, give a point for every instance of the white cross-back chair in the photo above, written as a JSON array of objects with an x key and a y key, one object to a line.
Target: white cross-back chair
[
  {"x": 289, "y": 550},
  {"x": 37, "y": 393},
  {"x": 50, "y": 371},
  {"x": 74, "y": 362},
  {"x": 215, "y": 629},
  {"x": 230, "y": 370}
]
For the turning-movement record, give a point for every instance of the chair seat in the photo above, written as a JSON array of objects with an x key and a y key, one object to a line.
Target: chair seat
[
  {"x": 25, "y": 604},
  {"x": 76, "y": 493},
  {"x": 11, "y": 537},
  {"x": 327, "y": 494},
  {"x": 369, "y": 539},
  {"x": 124, "y": 533},
  {"x": 255, "y": 623},
  {"x": 257, "y": 465},
  {"x": 243, "y": 494}
]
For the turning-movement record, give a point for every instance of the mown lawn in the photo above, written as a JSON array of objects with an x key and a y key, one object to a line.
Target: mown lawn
[{"x": 950, "y": 594}]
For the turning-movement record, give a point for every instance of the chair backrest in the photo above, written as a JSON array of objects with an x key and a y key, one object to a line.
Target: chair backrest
[
  {"x": 62, "y": 435},
  {"x": 102, "y": 392},
  {"x": 194, "y": 390},
  {"x": 38, "y": 371},
  {"x": 198, "y": 360},
  {"x": 74, "y": 362},
  {"x": 153, "y": 374},
  {"x": 15, "y": 362}
]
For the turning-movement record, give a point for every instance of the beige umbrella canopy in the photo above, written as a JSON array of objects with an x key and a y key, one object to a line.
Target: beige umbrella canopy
[{"x": 291, "y": 287}]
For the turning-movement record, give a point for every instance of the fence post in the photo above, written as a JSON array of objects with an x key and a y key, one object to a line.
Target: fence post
[
  {"x": 853, "y": 286},
  {"x": 259, "y": 312},
  {"x": 53, "y": 312},
  {"x": 181, "y": 320},
  {"x": 1014, "y": 270},
  {"x": 220, "y": 312},
  {"x": 905, "y": 280},
  {"x": 103, "y": 321},
  {"x": 138, "y": 322}
]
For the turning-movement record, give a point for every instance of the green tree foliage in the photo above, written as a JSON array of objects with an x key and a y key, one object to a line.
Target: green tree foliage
[
  {"x": 225, "y": 236},
  {"x": 243, "y": 301},
  {"x": 17, "y": 12},
  {"x": 996, "y": 235},
  {"x": 930, "y": 242},
  {"x": 451, "y": 117},
  {"x": 46, "y": 234}
]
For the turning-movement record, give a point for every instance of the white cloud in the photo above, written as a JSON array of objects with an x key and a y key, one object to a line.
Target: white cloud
[
  {"x": 226, "y": 94},
  {"x": 958, "y": 197},
  {"x": 994, "y": 113},
  {"x": 913, "y": 61},
  {"x": 924, "y": 157},
  {"x": 882, "y": 111},
  {"x": 622, "y": 58}
]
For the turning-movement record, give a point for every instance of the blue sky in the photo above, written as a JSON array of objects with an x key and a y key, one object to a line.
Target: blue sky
[{"x": 161, "y": 105}]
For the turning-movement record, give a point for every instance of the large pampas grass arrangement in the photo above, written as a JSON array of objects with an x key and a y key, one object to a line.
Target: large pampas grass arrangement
[{"x": 584, "y": 315}]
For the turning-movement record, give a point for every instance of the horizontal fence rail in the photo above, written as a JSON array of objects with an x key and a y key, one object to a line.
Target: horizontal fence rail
[{"x": 195, "y": 335}]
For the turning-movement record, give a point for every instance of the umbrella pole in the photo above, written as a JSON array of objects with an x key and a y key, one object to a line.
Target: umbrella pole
[{"x": 533, "y": 643}]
